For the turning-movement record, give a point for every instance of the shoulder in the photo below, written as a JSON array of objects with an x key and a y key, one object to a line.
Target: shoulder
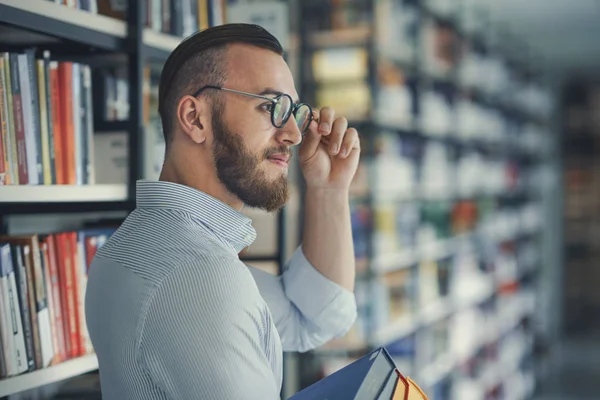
[
  {"x": 205, "y": 298},
  {"x": 210, "y": 282}
]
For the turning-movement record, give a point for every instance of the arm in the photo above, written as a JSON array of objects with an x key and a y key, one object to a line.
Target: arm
[
  {"x": 327, "y": 237},
  {"x": 329, "y": 157},
  {"x": 202, "y": 338},
  {"x": 308, "y": 309},
  {"x": 313, "y": 301}
]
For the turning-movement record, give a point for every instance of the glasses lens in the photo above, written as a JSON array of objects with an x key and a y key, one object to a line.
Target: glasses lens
[
  {"x": 281, "y": 110},
  {"x": 303, "y": 117}
]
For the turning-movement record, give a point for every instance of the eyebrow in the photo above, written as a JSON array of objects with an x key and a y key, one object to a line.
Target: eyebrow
[{"x": 275, "y": 92}]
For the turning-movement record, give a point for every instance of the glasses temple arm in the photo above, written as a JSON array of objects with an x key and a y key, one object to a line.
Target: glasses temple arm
[{"x": 249, "y": 94}]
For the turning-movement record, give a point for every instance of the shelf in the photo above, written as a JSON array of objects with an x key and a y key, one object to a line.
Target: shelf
[
  {"x": 66, "y": 23},
  {"x": 62, "y": 193},
  {"x": 34, "y": 199},
  {"x": 159, "y": 45},
  {"x": 56, "y": 373}
]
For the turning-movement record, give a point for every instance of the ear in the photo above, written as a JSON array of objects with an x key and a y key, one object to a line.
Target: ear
[{"x": 192, "y": 116}]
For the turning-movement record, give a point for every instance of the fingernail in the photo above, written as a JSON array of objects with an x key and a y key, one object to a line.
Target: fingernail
[
  {"x": 334, "y": 148},
  {"x": 324, "y": 127},
  {"x": 344, "y": 152}
]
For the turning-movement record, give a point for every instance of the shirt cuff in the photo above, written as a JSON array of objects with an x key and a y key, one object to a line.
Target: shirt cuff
[{"x": 329, "y": 306}]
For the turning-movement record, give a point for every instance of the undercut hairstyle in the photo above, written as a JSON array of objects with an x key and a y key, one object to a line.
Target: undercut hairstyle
[{"x": 200, "y": 60}]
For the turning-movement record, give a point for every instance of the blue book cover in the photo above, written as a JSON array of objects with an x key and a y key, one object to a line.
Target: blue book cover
[{"x": 368, "y": 378}]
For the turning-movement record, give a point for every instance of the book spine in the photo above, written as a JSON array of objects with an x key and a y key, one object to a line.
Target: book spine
[
  {"x": 12, "y": 140},
  {"x": 41, "y": 301},
  {"x": 28, "y": 120},
  {"x": 203, "y": 20},
  {"x": 18, "y": 120},
  {"x": 49, "y": 115},
  {"x": 3, "y": 370},
  {"x": 67, "y": 289},
  {"x": 67, "y": 122},
  {"x": 43, "y": 96},
  {"x": 22, "y": 289},
  {"x": 4, "y": 149},
  {"x": 56, "y": 297},
  {"x": 84, "y": 337},
  {"x": 45, "y": 257},
  {"x": 166, "y": 16},
  {"x": 35, "y": 112},
  {"x": 74, "y": 295},
  {"x": 56, "y": 114},
  {"x": 89, "y": 126},
  {"x": 156, "y": 15},
  {"x": 37, "y": 347},
  {"x": 5, "y": 328},
  {"x": 77, "y": 127},
  {"x": 14, "y": 311}
]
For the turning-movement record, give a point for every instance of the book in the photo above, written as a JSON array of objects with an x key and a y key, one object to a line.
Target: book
[{"x": 372, "y": 377}]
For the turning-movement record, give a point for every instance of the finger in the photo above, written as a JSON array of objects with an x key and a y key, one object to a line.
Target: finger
[
  {"x": 326, "y": 116},
  {"x": 338, "y": 131},
  {"x": 309, "y": 144},
  {"x": 350, "y": 142}
]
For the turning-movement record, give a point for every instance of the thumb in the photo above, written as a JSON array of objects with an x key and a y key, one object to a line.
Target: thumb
[{"x": 310, "y": 144}]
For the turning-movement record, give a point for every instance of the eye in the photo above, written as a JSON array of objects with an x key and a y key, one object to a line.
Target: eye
[{"x": 267, "y": 106}]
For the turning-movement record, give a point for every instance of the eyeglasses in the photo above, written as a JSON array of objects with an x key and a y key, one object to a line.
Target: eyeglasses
[{"x": 281, "y": 109}]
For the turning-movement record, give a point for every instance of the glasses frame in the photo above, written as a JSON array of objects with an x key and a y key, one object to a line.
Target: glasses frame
[{"x": 274, "y": 100}]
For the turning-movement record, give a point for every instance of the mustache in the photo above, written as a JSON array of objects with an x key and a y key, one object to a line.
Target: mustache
[{"x": 278, "y": 150}]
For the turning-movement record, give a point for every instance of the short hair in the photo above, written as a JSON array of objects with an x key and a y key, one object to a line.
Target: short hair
[{"x": 199, "y": 60}]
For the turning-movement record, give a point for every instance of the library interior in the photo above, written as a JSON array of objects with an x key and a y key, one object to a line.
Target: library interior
[{"x": 472, "y": 207}]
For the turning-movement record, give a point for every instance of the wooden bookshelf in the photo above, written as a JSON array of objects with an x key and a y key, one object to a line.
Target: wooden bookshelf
[{"x": 56, "y": 373}]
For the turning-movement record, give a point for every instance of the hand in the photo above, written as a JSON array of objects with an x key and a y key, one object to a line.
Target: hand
[{"x": 330, "y": 152}]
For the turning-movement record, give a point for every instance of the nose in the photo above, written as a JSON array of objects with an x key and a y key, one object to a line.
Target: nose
[{"x": 289, "y": 134}]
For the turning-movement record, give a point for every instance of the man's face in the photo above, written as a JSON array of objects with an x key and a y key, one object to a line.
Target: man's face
[{"x": 250, "y": 154}]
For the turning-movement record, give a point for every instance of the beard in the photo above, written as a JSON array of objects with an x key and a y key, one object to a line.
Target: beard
[{"x": 239, "y": 170}]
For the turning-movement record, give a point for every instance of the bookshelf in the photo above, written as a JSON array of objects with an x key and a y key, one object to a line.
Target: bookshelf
[
  {"x": 104, "y": 39},
  {"x": 46, "y": 376},
  {"x": 78, "y": 26},
  {"x": 447, "y": 205}
]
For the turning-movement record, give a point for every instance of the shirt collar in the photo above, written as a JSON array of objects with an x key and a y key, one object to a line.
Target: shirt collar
[{"x": 226, "y": 222}]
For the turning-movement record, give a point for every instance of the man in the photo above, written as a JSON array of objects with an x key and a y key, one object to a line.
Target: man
[{"x": 171, "y": 310}]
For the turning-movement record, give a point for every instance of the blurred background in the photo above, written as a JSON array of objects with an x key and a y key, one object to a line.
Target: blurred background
[{"x": 476, "y": 207}]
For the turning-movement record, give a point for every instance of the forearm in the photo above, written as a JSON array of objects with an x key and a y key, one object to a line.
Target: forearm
[{"x": 327, "y": 237}]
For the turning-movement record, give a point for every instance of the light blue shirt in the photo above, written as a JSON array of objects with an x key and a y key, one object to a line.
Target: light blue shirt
[{"x": 173, "y": 313}]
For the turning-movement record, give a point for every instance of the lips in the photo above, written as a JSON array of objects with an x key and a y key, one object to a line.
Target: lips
[{"x": 283, "y": 158}]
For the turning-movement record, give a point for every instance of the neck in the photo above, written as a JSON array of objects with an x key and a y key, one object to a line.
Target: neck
[{"x": 202, "y": 176}]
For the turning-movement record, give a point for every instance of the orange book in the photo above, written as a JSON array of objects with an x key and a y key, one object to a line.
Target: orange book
[
  {"x": 74, "y": 294},
  {"x": 65, "y": 272},
  {"x": 55, "y": 292},
  {"x": 65, "y": 73},
  {"x": 56, "y": 123}
]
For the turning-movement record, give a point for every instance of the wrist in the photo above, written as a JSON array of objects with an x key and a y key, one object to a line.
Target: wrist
[{"x": 327, "y": 195}]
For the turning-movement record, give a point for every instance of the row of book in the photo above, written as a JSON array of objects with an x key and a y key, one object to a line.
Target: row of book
[
  {"x": 46, "y": 120},
  {"x": 43, "y": 280},
  {"x": 174, "y": 17}
]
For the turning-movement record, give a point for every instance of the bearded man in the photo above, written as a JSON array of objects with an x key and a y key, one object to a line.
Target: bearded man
[{"x": 171, "y": 310}]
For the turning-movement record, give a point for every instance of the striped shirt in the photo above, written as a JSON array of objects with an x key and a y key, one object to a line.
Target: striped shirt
[{"x": 173, "y": 313}]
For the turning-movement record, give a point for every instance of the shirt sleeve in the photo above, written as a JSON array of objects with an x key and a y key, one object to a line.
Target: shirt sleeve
[
  {"x": 308, "y": 309},
  {"x": 202, "y": 335}
]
